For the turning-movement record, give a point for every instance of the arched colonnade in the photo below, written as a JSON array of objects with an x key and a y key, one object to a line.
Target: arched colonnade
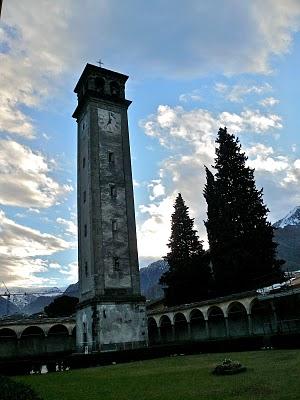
[
  {"x": 235, "y": 318},
  {"x": 35, "y": 339}
]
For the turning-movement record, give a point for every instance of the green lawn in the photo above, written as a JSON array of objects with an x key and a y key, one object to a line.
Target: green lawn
[{"x": 271, "y": 374}]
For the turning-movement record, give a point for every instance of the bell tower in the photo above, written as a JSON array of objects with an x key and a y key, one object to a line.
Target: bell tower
[{"x": 111, "y": 312}]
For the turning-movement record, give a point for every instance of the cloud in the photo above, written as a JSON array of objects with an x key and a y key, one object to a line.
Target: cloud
[
  {"x": 192, "y": 96},
  {"x": 250, "y": 120},
  {"x": 71, "y": 272},
  {"x": 264, "y": 29},
  {"x": 199, "y": 125},
  {"x": 156, "y": 228},
  {"x": 293, "y": 175},
  {"x": 13, "y": 120},
  {"x": 54, "y": 265},
  {"x": 22, "y": 252},
  {"x": 269, "y": 164},
  {"x": 269, "y": 102},
  {"x": 36, "y": 56},
  {"x": 69, "y": 225},
  {"x": 237, "y": 93},
  {"x": 157, "y": 189},
  {"x": 25, "y": 179}
]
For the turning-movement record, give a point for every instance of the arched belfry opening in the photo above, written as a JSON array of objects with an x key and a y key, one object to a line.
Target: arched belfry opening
[{"x": 115, "y": 89}]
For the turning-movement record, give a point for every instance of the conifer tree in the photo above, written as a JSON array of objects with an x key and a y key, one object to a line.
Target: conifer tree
[
  {"x": 242, "y": 249},
  {"x": 188, "y": 278}
]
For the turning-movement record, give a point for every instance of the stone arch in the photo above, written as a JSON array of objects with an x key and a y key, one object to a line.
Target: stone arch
[
  {"x": 31, "y": 331},
  {"x": 8, "y": 343},
  {"x": 166, "y": 330},
  {"x": 58, "y": 330},
  {"x": 153, "y": 333},
  {"x": 180, "y": 327},
  {"x": 115, "y": 89},
  {"x": 33, "y": 341},
  {"x": 262, "y": 317},
  {"x": 237, "y": 319},
  {"x": 7, "y": 333},
  {"x": 58, "y": 339},
  {"x": 216, "y": 322},
  {"x": 197, "y": 324}
]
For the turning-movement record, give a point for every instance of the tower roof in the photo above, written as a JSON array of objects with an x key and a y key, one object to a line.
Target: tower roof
[{"x": 90, "y": 68}]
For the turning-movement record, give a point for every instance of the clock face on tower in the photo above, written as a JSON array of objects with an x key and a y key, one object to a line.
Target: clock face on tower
[{"x": 109, "y": 121}]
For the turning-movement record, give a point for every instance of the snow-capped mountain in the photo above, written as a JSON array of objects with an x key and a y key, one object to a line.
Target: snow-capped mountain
[
  {"x": 292, "y": 218},
  {"x": 150, "y": 276},
  {"x": 27, "y": 300},
  {"x": 287, "y": 235}
]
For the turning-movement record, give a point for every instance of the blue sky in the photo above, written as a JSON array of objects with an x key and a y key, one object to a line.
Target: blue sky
[{"x": 193, "y": 67}]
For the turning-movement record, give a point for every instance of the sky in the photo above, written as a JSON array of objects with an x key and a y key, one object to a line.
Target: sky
[{"x": 193, "y": 67}]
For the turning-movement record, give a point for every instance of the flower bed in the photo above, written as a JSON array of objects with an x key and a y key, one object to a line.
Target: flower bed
[{"x": 228, "y": 367}]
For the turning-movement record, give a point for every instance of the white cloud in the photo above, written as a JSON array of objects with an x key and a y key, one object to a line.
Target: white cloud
[
  {"x": 293, "y": 175},
  {"x": 269, "y": 102},
  {"x": 237, "y": 93},
  {"x": 71, "y": 272},
  {"x": 36, "y": 56},
  {"x": 250, "y": 120},
  {"x": 262, "y": 158},
  {"x": 192, "y": 96},
  {"x": 199, "y": 125},
  {"x": 155, "y": 229},
  {"x": 70, "y": 226},
  {"x": 259, "y": 149},
  {"x": 21, "y": 252},
  {"x": 269, "y": 164},
  {"x": 24, "y": 178},
  {"x": 13, "y": 120},
  {"x": 54, "y": 265},
  {"x": 157, "y": 189}
]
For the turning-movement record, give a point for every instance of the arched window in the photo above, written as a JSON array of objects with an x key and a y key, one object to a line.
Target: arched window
[{"x": 114, "y": 89}]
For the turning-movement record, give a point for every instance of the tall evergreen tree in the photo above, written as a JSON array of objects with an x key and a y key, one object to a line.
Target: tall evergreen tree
[
  {"x": 242, "y": 249},
  {"x": 188, "y": 278}
]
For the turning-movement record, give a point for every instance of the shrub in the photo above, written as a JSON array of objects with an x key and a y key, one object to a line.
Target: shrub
[
  {"x": 228, "y": 367},
  {"x": 12, "y": 390}
]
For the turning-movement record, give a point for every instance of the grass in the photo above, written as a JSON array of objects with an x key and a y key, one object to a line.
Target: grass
[{"x": 270, "y": 375}]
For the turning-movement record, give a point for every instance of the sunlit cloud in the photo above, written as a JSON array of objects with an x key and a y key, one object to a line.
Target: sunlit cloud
[
  {"x": 22, "y": 252},
  {"x": 25, "y": 178}
]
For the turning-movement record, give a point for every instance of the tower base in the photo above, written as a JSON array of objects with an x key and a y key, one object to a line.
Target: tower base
[{"x": 111, "y": 326}]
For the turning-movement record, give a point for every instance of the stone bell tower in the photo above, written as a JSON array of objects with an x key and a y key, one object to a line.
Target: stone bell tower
[{"x": 111, "y": 312}]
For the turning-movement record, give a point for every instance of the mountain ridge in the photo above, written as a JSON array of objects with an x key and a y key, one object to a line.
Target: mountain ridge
[{"x": 291, "y": 219}]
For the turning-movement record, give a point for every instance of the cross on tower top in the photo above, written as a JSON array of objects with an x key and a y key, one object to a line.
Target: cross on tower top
[{"x": 100, "y": 63}]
